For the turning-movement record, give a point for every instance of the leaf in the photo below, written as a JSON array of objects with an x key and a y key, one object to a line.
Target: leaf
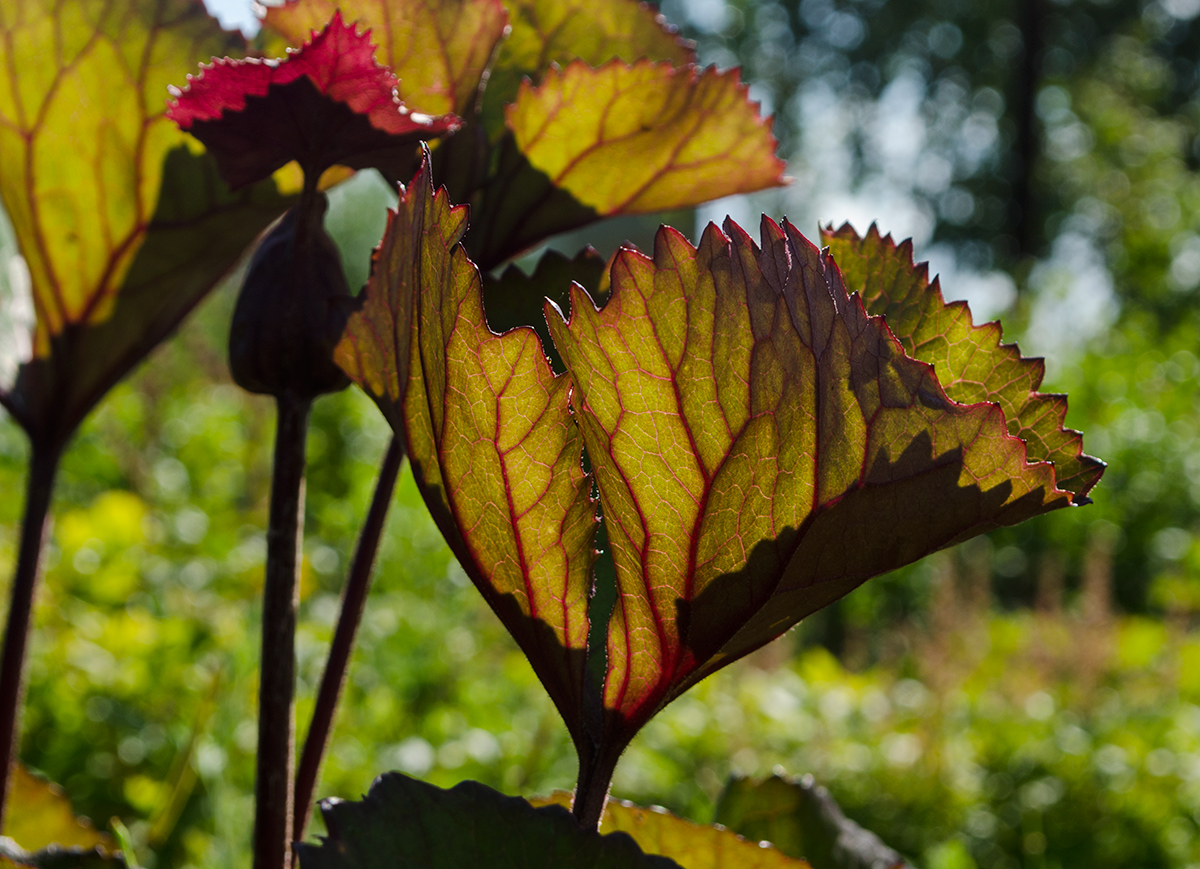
[
  {"x": 972, "y": 364},
  {"x": 328, "y": 102},
  {"x": 41, "y": 830},
  {"x": 693, "y": 845},
  {"x": 122, "y": 227},
  {"x": 801, "y": 819},
  {"x": 58, "y": 857},
  {"x": 488, "y": 433},
  {"x": 403, "y": 822},
  {"x": 648, "y": 137},
  {"x": 515, "y": 299},
  {"x": 438, "y": 49},
  {"x": 761, "y": 448},
  {"x": 592, "y": 143},
  {"x": 40, "y": 814},
  {"x": 546, "y": 33}
]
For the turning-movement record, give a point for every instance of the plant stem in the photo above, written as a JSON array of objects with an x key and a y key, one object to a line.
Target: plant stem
[
  {"x": 277, "y": 683},
  {"x": 354, "y": 598},
  {"x": 43, "y": 465},
  {"x": 591, "y": 792}
]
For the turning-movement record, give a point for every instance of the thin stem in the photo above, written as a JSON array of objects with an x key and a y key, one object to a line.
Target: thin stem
[
  {"x": 591, "y": 792},
  {"x": 277, "y": 685},
  {"x": 354, "y": 597},
  {"x": 43, "y": 466}
]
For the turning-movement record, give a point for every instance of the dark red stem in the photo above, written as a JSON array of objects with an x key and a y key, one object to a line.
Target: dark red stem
[
  {"x": 591, "y": 792},
  {"x": 277, "y": 684},
  {"x": 354, "y": 598},
  {"x": 43, "y": 465}
]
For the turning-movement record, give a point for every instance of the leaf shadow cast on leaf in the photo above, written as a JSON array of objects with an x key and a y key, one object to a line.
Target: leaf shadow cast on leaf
[
  {"x": 803, "y": 570},
  {"x": 199, "y": 231}
]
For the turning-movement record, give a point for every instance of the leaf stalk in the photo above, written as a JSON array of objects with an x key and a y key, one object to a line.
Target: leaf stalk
[
  {"x": 354, "y": 598},
  {"x": 43, "y": 467},
  {"x": 273, "y": 820}
]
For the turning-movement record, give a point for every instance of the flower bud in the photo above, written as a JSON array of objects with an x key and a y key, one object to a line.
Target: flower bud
[{"x": 291, "y": 311}]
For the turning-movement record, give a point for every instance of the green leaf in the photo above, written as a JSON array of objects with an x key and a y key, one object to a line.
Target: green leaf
[
  {"x": 438, "y": 49},
  {"x": 693, "y": 845},
  {"x": 488, "y": 433},
  {"x": 972, "y": 365},
  {"x": 800, "y": 818},
  {"x": 761, "y": 448},
  {"x": 403, "y": 822},
  {"x": 124, "y": 229}
]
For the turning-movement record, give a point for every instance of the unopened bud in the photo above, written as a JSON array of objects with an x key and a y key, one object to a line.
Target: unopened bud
[{"x": 291, "y": 311}]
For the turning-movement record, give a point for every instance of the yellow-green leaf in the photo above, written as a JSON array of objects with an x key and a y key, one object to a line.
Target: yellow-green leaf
[
  {"x": 648, "y": 137},
  {"x": 40, "y": 814},
  {"x": 691, "y": 845},
  {"x": 971, "y": 363},
  {"x": 762, "y": 447},
  {"x": 555, "y": 32},
  {"x": 488, "y": 433},
  {"x": 438, "y": 49},
  {"x": 123, "y": 227}
]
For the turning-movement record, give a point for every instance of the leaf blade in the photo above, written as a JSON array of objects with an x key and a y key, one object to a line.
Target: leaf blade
[
  {"x": 439, "y": 51},
  {"x": 488, "y": 434},
  {"x": 801, "y": 818},
  {"x": 744, "y": 417},
  {"x": 405, "y": 822},
  {"x": 632, "y": 139},
  {"x": 697, "y": 846},
  {"x": 101, "y": 188},
  {"x": 545, "y": 33},
  {"x": 973, "y": 365}
]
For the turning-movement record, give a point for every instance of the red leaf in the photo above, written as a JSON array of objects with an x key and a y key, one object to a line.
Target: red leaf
[{"x": 328, "y": 102}]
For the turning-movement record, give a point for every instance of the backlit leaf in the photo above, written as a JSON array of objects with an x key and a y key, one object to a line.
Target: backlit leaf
[
  {"x": 971, "y": 363},
  {"x": 800, "y": 818},
  {"x": 761, "y": 448},
  {"x": 648, "y": 137},
  {"x": 556, "y": 32},
  {"x": 122, "y": 226},
  {"x": 693, "y": 845},
  {"x": 622, "y": 139},
  {"x": 403, "y": 822},
  {"x": 438, "y": 49},
  {"x": 328, "y": 102},
  {"x": 515, "y": 298},
  {"x": 40, "y": 814},
  {"x": 487, "y": 430}
]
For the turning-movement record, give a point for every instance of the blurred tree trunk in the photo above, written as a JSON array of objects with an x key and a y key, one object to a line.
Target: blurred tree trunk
[{"x": 1023, "y": 218}]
